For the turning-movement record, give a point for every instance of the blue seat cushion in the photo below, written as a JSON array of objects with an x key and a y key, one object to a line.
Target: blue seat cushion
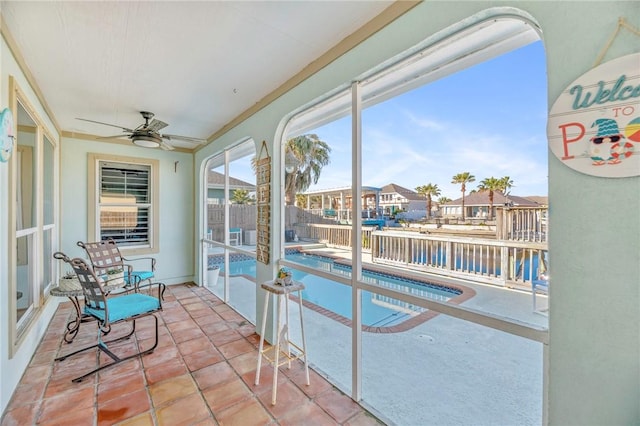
[
  {"x": 122, "y": 307},
  {"x": 141, "y": 275}
]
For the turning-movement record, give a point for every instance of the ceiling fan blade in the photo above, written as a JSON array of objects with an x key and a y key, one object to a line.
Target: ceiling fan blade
[
  {"x": 106, "y": 124},
  {"x": 166, "y": 146},
  {"x": 156, "y": 125},
  {"x": 196, "y": 141},
  {"x": 114, "y": 136}
]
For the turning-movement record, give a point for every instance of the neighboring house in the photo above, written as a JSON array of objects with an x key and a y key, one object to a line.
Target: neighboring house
[
  {"x": 477, "y": 204},
  {"x": 215, "y": 187},
  {"x": 395, "y": 198},
  {"x": 542, "y": 201}
]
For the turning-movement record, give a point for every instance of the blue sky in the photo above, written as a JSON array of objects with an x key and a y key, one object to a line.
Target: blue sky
[{"x": 489, "y": 120}]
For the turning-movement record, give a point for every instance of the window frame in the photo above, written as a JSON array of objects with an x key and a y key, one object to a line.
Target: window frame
[
  {"x": 93, "y": 198},
  {"x": 38, "y": 230}
]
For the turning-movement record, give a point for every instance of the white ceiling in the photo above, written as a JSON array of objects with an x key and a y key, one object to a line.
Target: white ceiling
[{"x": 195, "y": 64}]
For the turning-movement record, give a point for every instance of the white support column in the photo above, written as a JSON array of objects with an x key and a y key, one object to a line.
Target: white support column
[
  {"x": 356, "y": 244},
  {"x": 227, "y": 201}
]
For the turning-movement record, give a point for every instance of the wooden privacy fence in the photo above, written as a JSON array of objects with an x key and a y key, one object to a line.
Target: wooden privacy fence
[{"x": 333, "y": 235}]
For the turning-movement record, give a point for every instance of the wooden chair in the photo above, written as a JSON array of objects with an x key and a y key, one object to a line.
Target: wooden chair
[
  {"x": 108, "y": 311},
  {"x": 105, "y": 258}
]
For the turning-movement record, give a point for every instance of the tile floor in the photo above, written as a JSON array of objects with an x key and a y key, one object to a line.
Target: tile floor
[{"x": 201, "y": 373}]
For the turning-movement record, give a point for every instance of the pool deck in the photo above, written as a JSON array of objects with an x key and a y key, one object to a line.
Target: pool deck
[{"x": 442, "y": 371}]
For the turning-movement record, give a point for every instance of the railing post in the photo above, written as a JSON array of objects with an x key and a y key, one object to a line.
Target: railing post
[
  {"x": 504, "y": 265},
  {"x": 449, "y": 255}
]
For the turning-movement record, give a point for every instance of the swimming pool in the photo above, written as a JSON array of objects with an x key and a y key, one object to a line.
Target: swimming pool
[{"x": 377, "y": 310}]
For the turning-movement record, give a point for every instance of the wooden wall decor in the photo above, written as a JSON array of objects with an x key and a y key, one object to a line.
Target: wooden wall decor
[{"x": 263, "y": 184}]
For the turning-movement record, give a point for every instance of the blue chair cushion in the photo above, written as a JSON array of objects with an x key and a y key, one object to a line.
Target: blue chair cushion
[
  {"x": 142, "y": 275},
  {"x": 123, "y": 307}
]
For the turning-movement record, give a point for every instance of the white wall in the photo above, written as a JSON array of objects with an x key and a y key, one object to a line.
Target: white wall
[
  {"x": 594, "y": 354},
  {"x": 175, "y": 257}
]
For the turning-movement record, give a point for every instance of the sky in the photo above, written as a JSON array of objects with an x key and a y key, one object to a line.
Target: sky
[{"x": 488, "y": 120}]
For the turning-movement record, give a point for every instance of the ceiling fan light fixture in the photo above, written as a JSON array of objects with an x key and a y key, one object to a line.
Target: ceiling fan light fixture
[{"x": 146, "y": 141}]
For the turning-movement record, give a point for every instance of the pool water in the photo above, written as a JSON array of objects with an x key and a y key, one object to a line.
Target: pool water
[{"x": 377, "y": 310}]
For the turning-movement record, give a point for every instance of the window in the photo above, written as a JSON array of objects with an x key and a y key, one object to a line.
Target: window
[
  {"x": 125, "y": 201},
  {"x": 32, "y": 217}
]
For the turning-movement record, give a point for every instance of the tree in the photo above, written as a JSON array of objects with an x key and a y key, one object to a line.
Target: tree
[
  {"x": 463, "y": 179},
  {"x": 311, "y": 154},
  {"x": 241, "y": 196},
  {"x": 443, "y": 200},
  {"x": 490, "y": 184},
  {"x": 429, "y": 190},
  {"x": 505, "y": 185}
]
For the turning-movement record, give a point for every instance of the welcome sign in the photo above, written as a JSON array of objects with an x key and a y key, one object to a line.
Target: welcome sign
[{"x": 594, "y": 125}]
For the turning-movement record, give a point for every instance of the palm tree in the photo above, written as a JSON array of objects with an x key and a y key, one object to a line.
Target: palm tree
[
  {"x": 429, "y": 190},
  {"x": 490, "y": 184},
  {"x": 505, "y": 185},
  {"x": 443, "y": 200},
  {"x": 463, "y": 178},
  {"x": 241, "y": 196},
  {"x": 311, "y": 154}
]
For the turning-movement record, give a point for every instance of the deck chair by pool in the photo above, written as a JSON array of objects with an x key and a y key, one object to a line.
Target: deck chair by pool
[
  {"x": 105, "y": 257},
  {"x": 108, "y": 311},
  {"x": 235, "y": 236}
]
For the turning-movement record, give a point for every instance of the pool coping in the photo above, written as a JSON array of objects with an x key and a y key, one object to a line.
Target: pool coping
[{"x": 466, "y": 293}]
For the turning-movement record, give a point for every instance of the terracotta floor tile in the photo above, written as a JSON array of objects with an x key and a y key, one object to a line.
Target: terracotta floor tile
[
  {"x": 211, "y": 318},
  {"x": 76, "y": 417},
  {"x": 213, "y": 375},
  {"x": 307, "y": 414},
  {"x": 235, "y": 348},
  {"x": 123, "y": 407},
  {"x": 317, "y": 383},
  {"x": 226, "y": 394},
  {"x": 266, "y": 379},
  {"x": 288, "y": 398},
  {"x": 246, "y": 413},
  {"x": 245, "y": 362},
  {"x": 61, "y": 405},
  {"x": 198, "y": 360},
  {"x": 22, "y": 415},
  {"x": 28, "y": 394},
  {"x": 36, "y": 374},
  {"x": 122, "y": 385},
  {"x": 184, "y": 335},
  {"x": 224, "y": 337},
  {"x": 160, "y": 356},
  {"x": 215, "y": 327},
  {"x": 143, "y": 419},
  {"x": 171, "y": 389},
  {"x": 171, "y": 368},
  {"x": 185, "y": 411},
  {"x": 195, "y": 345},
  {"x": 338, "y": 405}
]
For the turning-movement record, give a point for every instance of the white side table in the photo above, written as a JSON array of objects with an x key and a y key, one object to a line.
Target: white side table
[{"x": 283, "y": 344}]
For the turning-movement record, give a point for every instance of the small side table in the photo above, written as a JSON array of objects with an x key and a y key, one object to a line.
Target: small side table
[
  {"x": 283, "y": 344},
  {"x": 74, "y": 324}
]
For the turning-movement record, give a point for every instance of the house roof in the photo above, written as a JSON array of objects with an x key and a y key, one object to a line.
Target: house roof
[
  {"x": 216, "y": 180},
  {"x": 481, "y": 198},
  {"x": 541, "y": 200},
  {"x": 405, "y": 192}
]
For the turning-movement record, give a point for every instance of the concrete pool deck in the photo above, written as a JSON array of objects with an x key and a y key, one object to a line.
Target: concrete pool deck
[{"x": 443, "y": 371}]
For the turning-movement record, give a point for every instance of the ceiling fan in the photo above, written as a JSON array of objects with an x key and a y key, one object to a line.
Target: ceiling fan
[{"x": 147, "y": 134}]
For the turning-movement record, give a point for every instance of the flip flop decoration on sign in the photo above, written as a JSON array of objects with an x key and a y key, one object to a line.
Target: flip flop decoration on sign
[{"x": 594, "y": 125}]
